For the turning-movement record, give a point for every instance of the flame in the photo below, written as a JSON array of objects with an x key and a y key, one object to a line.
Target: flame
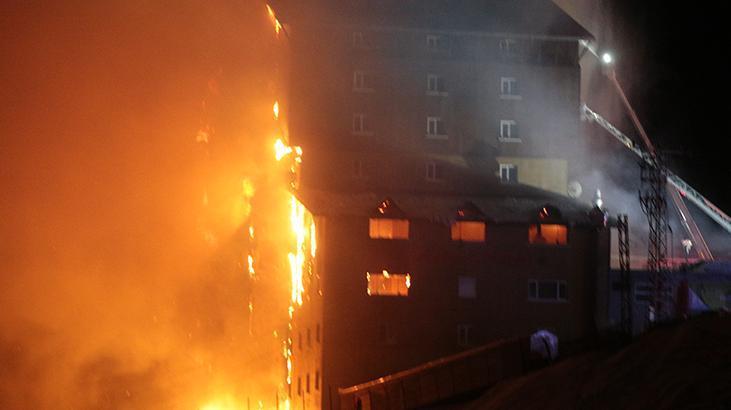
[
  {"x": 275, "y": 109},
  {"x": 252, "y": 273},
  {"x": 275, "y": 21},
  {"x": 281, "y": 150},
  {"x": 223, "y": 403},
  {"x": 297, "y": 258},
  {"x": 408, "y": 281}
]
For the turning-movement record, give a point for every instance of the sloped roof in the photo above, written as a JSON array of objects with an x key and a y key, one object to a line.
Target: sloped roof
[
  {"x": 526, "y": 17},
  {"x": 515, "y": 208}
]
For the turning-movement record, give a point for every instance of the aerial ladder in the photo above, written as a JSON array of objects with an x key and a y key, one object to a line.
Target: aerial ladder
[
  {"x": 677, "y": 188},
  {"x": 682, "y": 188}
]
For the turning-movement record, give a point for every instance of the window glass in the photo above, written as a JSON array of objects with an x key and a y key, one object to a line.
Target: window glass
[
  {"x": 388, "y": 284},
  {"x": 386, "y": 228}
]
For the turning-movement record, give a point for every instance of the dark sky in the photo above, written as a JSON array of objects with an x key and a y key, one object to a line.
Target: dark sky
[{"x": 678, "y": 82}]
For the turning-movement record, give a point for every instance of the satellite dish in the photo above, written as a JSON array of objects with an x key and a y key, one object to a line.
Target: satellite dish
[{"x": 574, "y": 189}]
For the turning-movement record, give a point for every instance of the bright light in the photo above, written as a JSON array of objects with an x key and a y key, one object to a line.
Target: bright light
[{"x": 607, "y": 58}]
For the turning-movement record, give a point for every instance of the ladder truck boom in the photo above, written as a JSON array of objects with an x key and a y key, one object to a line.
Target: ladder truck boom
[{"x": 678, "y": 183}]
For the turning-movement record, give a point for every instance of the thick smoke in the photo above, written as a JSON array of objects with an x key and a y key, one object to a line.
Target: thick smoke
[{"x": 122, "y": 239}]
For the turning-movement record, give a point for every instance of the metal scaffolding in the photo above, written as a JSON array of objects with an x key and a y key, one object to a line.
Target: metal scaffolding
[
  {"x": 624, "y": 278},
  {"x": 654, "y": 204}
]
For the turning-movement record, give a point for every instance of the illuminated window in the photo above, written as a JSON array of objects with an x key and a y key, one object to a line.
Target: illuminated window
[
  {"x": 388, "y": 284},
  {"x": 468, "y": 231},
  {"x": 509, "y": 130},
  {"x": 435, "y": 85},
  {"x": 463, "y": 335},
  {"x": 435, "y": 127},
  {"x": 547, "y": 290},
  {"x": 508, "y": 173},
  {"x": 467, "y": 287},
  {"x": 548, "y": 234},
  {"x": 387, "y": 228},
  {"x": 508, "y": 87}
]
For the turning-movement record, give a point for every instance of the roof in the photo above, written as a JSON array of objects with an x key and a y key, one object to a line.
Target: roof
[
  {"x": 519, "y": 17},
  {"x": 517, "y": 205}
]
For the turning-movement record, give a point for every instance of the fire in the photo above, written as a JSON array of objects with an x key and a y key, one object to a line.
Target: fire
[
  {"x": 275, "y": 109},
  {"x": 252, "y": 273},
  {"x": 275, "y": 21},
  {"x": 224, "y": 403}
]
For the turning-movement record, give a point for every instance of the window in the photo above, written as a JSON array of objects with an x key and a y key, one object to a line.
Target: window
[
  {"x": 547, "y": 290},
  {"x": 507, "y": 46},
  {"x": 433, "y": 172},
  {"x": 468, "y": 231},
  {"x": 643, "y": 292},
  {"x": 317, "y": 333},
  {"x": 317, "y": 380},
  {"x": 548, "y": 234},
  {"x": 463, "y": 335},
  {"x": 387, "y": 228},
  {"x": 299, "y": 385},
  {"x": 467, "y": 287},
  {"x": 435, "y": 85},
  {"x": 508, "y": 173},
  {"x": 386, "y": 334},
  {"x": 309, "y": 338},
  {"x": 508, "y": 130},
  {"x": 357, "y": 39},
  {"x": 388, "y": 284},
  {"x": 357, "y": 169},
  {"x": 508, "y": 87},
  {"x": 435, "y": 128},
  {"x": 307, "y": 383},
  {"x": 434, "y": 42},
  {"x": 360, "y": 124},
  {"x": 361, "y": 82}
]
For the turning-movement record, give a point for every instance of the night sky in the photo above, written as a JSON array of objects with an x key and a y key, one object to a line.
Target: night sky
[{"x": 672, "y": 62}]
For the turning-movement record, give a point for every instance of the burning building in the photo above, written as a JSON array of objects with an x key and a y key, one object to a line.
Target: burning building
[{"x": 436, "y": 168}]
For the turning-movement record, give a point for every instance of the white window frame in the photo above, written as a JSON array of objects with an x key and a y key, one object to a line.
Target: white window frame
[
  {"x": 510, "y": 84},
  {"x": 463, "y": 334},
  {"x": 360, "y": 119},
  {"x": 505, "y": 173},
  {"x": 557, "y": 299},
  {"x": 433, "y": 123},
  {"x": 511, "y": 127},
  {"x": 357, "y": 39},
  {"x": 434, "y": 42},
  {"x": 507, "y": 46},
  {"x": 431, "y": 172},
  {"x": 360, "y": 83},
  {"x": 357, "y": 169},
  {"x": 436, "y": 81}
]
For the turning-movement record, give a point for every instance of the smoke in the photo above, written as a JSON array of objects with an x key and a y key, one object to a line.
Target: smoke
[{"x": 123, "y": 240}]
